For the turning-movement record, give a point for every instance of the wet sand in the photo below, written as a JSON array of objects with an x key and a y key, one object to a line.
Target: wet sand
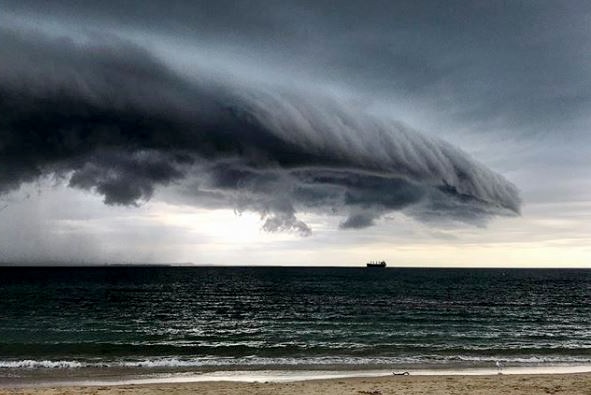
[{"x": 574, "y": 383}]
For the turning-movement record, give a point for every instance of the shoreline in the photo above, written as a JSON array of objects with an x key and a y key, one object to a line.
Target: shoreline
[
  {"x": 114, "y": 378},
  {"x": 567, "y": 383}
]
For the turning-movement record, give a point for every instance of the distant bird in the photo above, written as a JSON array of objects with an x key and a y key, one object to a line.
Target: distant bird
[{"x": 499, "y": 366}]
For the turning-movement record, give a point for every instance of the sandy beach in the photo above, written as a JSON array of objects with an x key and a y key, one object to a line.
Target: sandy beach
[{"x": 491, "y": 384}]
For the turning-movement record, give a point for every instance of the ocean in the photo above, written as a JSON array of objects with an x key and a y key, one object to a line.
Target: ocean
[{"x": 214, "y": 318}]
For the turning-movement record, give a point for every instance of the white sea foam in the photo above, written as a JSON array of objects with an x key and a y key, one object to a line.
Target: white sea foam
[
  {"x": 37, "y": 364},
  {"x": 417, "y": 362}
]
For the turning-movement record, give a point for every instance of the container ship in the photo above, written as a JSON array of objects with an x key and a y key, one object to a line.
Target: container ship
[{"x": 376, "y": 264}]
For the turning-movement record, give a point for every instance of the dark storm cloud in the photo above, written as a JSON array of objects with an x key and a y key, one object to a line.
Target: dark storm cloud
[
  {"x": 114, "y": 119},
  {"x": 518, "y": 65}
]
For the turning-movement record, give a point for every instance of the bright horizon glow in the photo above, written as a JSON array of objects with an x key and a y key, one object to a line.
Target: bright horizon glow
[{"x": 181, "y": 234}]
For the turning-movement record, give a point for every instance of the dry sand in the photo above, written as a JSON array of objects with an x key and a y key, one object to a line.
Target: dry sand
[{"x": 494, "y": 384}]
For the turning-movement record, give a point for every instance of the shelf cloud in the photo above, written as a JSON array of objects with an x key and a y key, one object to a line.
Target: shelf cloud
[{"x": 111, "y": 117}]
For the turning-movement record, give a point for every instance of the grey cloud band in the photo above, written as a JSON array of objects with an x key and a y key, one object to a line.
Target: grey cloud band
[{"x": 115, "y": 120}]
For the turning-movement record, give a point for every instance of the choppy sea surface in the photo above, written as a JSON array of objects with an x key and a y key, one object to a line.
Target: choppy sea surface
[{"x": 212, "y": 318}]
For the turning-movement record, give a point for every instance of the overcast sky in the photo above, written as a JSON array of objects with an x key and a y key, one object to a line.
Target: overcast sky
[{"x": 427, "y": 133}]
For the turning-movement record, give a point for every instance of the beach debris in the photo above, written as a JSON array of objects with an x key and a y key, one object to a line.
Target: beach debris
[
  {"x": 374, "y": 392},
  {"x": 400, "y": 374}
]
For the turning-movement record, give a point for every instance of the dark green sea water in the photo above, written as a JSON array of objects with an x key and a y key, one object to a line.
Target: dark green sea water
[{"x": 292, "y": 317}]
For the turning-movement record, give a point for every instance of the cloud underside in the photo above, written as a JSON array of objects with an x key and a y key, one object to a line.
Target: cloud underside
[{"x": 114, "y": 119}]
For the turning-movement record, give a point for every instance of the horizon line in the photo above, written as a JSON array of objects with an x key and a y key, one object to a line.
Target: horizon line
[{"x": 193, "y": 265}]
